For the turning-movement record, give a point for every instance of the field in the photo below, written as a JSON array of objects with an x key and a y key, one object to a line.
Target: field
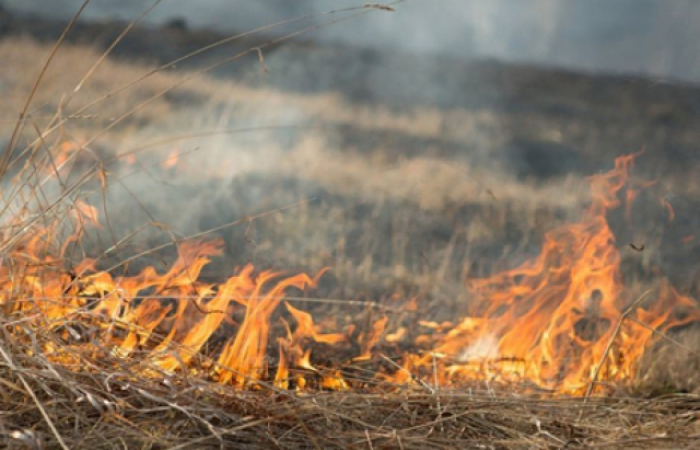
[{"x": 406, "y": 191}]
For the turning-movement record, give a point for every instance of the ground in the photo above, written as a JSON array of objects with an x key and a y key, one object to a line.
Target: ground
[{"x": 405, "y": 176}]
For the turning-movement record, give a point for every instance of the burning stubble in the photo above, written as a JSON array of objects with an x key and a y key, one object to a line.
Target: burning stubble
[
  {"x": 235, "y": 261},
  {"x": 552, "y": 322}
]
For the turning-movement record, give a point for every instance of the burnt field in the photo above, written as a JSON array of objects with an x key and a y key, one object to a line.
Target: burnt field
[{"x": 447, "y": 242}]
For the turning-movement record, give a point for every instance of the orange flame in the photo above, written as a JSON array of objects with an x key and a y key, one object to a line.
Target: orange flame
[
  {"x": 669, "y": 209},
  {"x": 561, "y": 321},
  {"x": 65, "y": 151},
  {"x": 172, "y": 159},
  {"x": 549, "y": 321},
  {"x": 122, "y": 303}
]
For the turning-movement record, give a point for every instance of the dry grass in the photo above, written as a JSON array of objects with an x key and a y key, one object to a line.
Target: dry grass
[
  {"x": 109, "y": 404},
  {"x": 20, "y": 56},
  {"x": 105, "y": 402},
  {"x": 216, "y": 161}
]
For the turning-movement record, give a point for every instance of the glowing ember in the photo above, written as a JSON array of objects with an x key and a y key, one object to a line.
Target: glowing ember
[{"x": 558, "y": 322}]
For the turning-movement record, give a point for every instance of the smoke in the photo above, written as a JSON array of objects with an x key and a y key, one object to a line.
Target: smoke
[
  {"x": 652, "y": 37},
  {"x": 484, "y": 348},
  {"x": 422, "y": 110}
]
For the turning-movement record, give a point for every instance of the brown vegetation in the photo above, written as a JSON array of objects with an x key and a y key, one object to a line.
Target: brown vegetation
[{"x": 391, "y": 226}]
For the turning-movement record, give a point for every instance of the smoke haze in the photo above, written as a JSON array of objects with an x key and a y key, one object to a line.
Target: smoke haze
[
  {"x": 651, "y": 37},
  {"x": 422, "y": 146}
]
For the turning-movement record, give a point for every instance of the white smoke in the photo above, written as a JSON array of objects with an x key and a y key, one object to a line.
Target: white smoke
[
  {"x": 653, "y": 37},
  {"x": 485, "y": 347}
]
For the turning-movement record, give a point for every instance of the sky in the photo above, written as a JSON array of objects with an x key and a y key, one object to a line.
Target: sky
[{"x": 658, "y": 38}]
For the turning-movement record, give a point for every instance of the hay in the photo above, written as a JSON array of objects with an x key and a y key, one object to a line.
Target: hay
[{"x": 107, "y": 402}]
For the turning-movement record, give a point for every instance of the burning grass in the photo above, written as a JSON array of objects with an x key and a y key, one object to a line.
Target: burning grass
[
  {"x": 199, "y": 355},
  {"x": 545, "y": 355},
  {"x": 563, "y": 322}
]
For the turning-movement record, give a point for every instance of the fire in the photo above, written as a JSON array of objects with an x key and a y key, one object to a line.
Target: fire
[
  {"x": 560, "y": 322},
  {"x": 172, "y": 159},
  {"x": 66, "y": 151},
  {"x": 550, "y": 321},
  {"x": 127, "y": 316}
]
